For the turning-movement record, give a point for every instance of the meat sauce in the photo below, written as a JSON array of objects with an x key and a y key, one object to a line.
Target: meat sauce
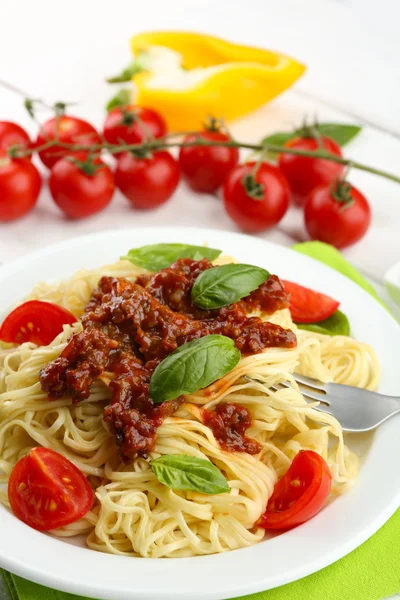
[
  {"x": 229, "y": 423},
  {"x": 129, "y": 328}
]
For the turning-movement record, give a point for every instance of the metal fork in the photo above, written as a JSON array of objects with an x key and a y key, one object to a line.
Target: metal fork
[{"x": 355, "y": 409}]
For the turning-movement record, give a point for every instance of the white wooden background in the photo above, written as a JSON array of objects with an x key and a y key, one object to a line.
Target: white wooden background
[{"x": 61, "y": 50}]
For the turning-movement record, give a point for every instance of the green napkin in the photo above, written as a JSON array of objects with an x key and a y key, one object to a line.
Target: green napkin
[
  {"x": 332, "y": 257},
  {"x": 371, "y": 572}
]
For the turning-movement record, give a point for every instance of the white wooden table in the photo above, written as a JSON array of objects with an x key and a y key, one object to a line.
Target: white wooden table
[{"x": 352, "y": 50}]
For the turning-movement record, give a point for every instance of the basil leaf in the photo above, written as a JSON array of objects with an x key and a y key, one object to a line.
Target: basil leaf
[
  {"x": 122, "y": 98},
  {"x": 182, "y": 472},
  {"x": 193, "y": 366},
  {"x": 220, "y": 286},
  {"x": 340, "y": 133},
  {"x": 277, "y": 139},
  {"x": 160, "y": 256},
  {"x": 336, "y": 324},
  {"x": 280, "y": 138}
]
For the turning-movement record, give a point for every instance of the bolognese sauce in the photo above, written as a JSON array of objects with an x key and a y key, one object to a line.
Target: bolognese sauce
[{"x": 129, "y": 328}]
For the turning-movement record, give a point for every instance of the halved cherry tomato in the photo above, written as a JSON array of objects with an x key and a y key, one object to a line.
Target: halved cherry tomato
[
  {"x": 300, "y": 494},
  {"x": 47, "y": 491},
  {"x": 35, "y": 321},
  {"x": 308, "y": 306}
]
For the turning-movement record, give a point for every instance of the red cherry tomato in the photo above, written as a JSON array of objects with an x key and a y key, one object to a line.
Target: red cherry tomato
[
  {"x": 133, "y": 124},
  {"x": 337, "y": 218},
  {"x": 71, "y": 130},
  {"x": 35, "y": 321},
  {"x": 300, "y": 494},
  {"x": 20, "y": 185},
  {"x": 305, "y": 173},
  {"x": 47, "y": 491},
  {"x": 270, "y": 199},
  {"x": 147, "y": 182},
  {"x": 205, "y": 167},
  {"x": 308, "y": 306},
  {"x": 78, "y": 190},
  {"x": 12, "y": 134}
]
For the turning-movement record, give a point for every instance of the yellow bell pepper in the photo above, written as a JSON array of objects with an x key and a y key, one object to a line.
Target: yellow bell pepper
[{"x": 189, "y": 76}]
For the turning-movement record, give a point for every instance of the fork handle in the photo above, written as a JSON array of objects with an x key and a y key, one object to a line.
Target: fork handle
[{"x": 394, "y": 400}]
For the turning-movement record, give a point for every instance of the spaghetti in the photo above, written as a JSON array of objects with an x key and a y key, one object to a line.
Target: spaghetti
[{"x": 134, "y": 513}]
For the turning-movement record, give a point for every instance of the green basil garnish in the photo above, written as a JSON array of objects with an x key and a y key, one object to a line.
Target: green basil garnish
[
  {"x": 224, "y": 285},
  {"x": 279, "y": 139},
  {"x": 160, "y": 256},
  {"x": 182, "y": 472},
  {"x": 193, "y": 366},
  {"x": 337, "y": 324},
  {"x": 342, "y": 134}
]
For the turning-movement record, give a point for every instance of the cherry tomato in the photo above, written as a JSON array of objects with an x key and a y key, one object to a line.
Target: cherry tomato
[
  {"x": 205, "y": 167},
  {"x": 20, "y": 185},
  {"x": 133, "y": 124},
  {"x": 12, "y": 134},
  {"x": 308, "y": 306},
  {"x": 47, "y": 491},
  {"x": 71, "y": 130},
  {"x": 35, "y": 321},
  {"x": 147, "y": 182},
  {"x": 300, "y": 494},
  {"x": 304, "y": 173},
  {"x": 81, "y": 188},
  {"x": 337, "y": 214},
  {"x": 256, "y": 203}
]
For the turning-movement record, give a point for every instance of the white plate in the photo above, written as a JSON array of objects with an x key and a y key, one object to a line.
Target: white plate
[
  {"x": 392, "y": 282},
  {"x": 339, "y": 528}
]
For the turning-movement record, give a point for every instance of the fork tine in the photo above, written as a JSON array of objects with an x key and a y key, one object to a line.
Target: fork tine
[
  {"x": 309, "y": 382},
  {"x": 306, "y": 391},
  {"x": 322, "y": 407}
]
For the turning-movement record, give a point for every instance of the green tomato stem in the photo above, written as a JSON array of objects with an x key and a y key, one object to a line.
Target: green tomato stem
[{"x": 163, "y": 143}]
